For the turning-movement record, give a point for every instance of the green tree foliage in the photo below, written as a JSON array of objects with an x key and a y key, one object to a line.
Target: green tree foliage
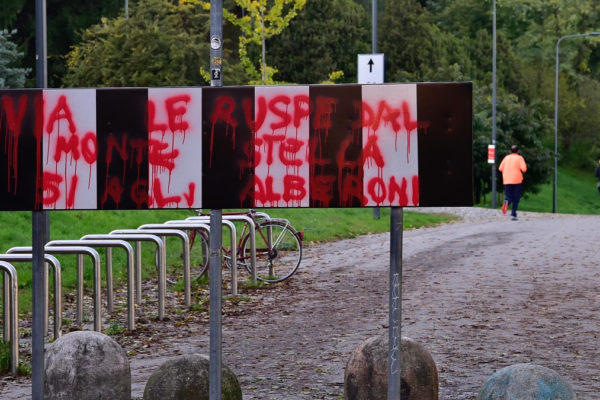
[
  {"x": 408, "y": 59},
  {"x": 261, "y": 20},
  {"x": 161, "y": 43},
  {"x": 517, "y": 123},
  {"x": 65, "y": 19},
  {"x": 12, "y": 75},
  {"x": 326, "y": 36}
]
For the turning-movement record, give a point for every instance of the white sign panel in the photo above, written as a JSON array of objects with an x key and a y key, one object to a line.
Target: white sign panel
[
  {"x": 69, "y": 156},
  {"x": 370, "y": 68},
  {"x": 390, "y": 150},
  {"x": 281, "y": 146},
  {"x": 175, "y": 147}
]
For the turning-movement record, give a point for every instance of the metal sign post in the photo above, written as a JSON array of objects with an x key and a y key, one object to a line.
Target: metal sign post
[
  {"x": 216, "y": 219},
  {"x": 40, "y": 229},
  {"x": 395, "y": 311},
  {"x": 214, "y": 382}
]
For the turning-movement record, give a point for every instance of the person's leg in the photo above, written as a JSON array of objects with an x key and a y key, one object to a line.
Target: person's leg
[
  {"x": 516, "y": 196},
  {"x": 508, "y": 197}
]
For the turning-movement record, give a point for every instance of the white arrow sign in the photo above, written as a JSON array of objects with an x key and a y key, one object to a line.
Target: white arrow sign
[{"x": 370, "y": 68}]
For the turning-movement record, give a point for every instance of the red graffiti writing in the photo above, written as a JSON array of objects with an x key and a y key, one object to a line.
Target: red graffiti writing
[
  {"x": 223, "y": 112},
  {"x": 61, "y": 111},
  {"x": 52, "y": 192},
  {"x": 68, "y": 149},
  {"x": 132, "y": 150},
  {"x": 294, "y": 189},
  {"x": 289, "y": 148},
  {"x": 163, "y": 152},
  {"x": 14, "y": 122}
]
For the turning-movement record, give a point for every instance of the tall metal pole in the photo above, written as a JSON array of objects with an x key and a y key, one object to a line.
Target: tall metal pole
[
  {"x": 216, "y": 220},
  {"x": 494, "y": 105},
  {"x": 555, "y": 181},
  {"x": 376, "y": 210},
  {"x": 215, "y": 263},
  {"x": 374, "y": 26},
  {"x": 395, "y": 304},
  {"x": 40, "y": 226}
]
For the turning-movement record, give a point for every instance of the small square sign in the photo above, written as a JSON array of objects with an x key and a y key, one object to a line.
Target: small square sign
[
  {"x": 491, "y": 153},
  {"x": 370, "y": 68}
]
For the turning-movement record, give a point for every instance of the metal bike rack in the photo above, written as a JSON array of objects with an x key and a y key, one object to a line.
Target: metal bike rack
[
  {"x": 252, "y": 234},
  {"x": 109, "y": 284},
  {"x": 162, "y": 233},
  {"x": 77, "y": 250},
  {"x": 10, "y": 303},
  {"x": 231, "y": 227},
  {"x": 161, "y": 261},
  {"x": 175, "y": 227},
  {"x": 52, "y": 261}
]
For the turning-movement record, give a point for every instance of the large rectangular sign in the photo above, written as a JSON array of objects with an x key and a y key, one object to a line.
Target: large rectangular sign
[{"x": 236, "y": 147}]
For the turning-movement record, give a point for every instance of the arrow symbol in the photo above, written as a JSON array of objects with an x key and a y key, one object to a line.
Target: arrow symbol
[{"x": 370, "y": 65}]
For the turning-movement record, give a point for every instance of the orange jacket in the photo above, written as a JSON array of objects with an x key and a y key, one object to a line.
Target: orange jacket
[{"x": 512, "y": 168}]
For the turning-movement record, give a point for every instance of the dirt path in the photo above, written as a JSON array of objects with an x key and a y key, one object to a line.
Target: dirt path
[{"x": 480, "y": 294}]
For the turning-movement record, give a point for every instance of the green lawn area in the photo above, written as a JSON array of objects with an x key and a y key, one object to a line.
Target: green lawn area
[
  {"x": 318, "y": 225},
  {"x": 576, "y": 193}
]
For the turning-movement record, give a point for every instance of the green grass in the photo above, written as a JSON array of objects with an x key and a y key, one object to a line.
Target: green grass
[
  {"x": 318, "y": 225},
  {"x": 576, "y": 193}
]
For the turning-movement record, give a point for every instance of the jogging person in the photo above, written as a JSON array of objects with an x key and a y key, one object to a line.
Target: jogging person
[{"x": 512, "y": 168}]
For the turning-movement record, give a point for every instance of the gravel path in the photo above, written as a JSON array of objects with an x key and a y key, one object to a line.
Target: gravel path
[{"x": 479, "y": 294}]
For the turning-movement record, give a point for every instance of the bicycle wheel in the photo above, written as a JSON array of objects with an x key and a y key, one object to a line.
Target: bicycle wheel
[
  {"x": 198, "y": 251},
  {"x": 278, "y": 251}
]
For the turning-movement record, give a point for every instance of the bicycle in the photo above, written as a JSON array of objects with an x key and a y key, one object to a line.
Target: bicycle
[{"x": 278, "y": 247}]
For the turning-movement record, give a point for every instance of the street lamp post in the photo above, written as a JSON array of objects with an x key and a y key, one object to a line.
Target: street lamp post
[
  {"x": 556, "y": 113},
  {"x": 494, "y": 89}
]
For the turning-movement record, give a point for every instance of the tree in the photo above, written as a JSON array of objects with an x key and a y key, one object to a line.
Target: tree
[
  {"x": 326, "y": 36},
  {"x": 65, "y": 19},
  {"x": 11, "y": 74},
  {"x": 408, "y": 59},
  {"x": 260, "y": 21},
  {"x": 525, "y": 125},
  {"x": 161, "y": 43}
]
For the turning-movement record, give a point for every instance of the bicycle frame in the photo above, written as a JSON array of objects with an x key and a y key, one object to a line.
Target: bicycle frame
[{"x": 253, "y": 222}]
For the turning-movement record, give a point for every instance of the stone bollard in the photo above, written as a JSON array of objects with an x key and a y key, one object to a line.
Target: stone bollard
[
  {"x": 86, "y": 365},
  {"x": 366, "y": 376},
  {"x": 186, "y": 378},
  {"x": 526, "y": 382}
]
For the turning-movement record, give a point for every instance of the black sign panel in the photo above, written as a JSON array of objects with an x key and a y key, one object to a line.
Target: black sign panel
[{"x": 122, "y": 148}]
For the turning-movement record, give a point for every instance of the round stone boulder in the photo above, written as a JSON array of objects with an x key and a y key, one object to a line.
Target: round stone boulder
[
  {"x": 186, "y": 378},
  {"x": 526, "y": 382},
  {"x": 86, "y": 365},
  {"x": 366, "y": 375}
]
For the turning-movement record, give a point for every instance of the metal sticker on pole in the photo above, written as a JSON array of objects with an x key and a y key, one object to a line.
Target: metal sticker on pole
[
  {"x": 491, "y": 153},
  {"x": 370, "y": 68}
]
